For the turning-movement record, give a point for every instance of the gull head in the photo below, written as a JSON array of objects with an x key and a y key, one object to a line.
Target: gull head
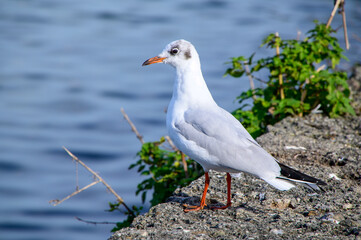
[{"x": 178, "y": 54}]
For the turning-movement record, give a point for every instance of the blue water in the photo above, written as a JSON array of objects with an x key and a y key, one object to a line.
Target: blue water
[{"x": 66, "y": 68}]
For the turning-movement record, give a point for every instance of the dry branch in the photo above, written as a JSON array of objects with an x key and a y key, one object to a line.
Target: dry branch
[
  {"x": 304, "y": 91},
  {"x": 171, "y": 143},
  {"x": 98, "y": 179},
  {"x": 340, "y": 4},
  {"x": 251, "y": 83},
  {"x": 92, "y": 222},
  {"x": 280, "y": 77},
  {"x": 344, "y": 25},
  {"x": 333, "y": 12},
  {"x": 185, "y": 166},
  {"x": 56, "y": 201},
  {"x": 134, "y": 129}
]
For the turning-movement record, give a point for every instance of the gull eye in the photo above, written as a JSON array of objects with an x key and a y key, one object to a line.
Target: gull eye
[{"x": 174, "y": 51}]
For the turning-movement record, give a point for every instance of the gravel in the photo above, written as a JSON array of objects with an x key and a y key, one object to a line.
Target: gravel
[{"x": 325, "y": 148}]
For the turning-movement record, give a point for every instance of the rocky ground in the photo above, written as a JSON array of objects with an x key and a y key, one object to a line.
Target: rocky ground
[{"x": 328, "y": 149}]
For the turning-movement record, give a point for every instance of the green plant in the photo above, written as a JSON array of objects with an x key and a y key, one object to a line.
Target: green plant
[
  {"x": 135, "y": 211},
  {"x": 165, "y": 169},
  {"x": 295, "y": 85}
]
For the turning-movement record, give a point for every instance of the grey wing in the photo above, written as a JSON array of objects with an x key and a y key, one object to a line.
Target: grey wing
[{"x": 228, "y": 143}]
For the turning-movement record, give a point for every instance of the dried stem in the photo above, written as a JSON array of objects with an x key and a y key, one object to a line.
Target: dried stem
[
  {"x": 93, "y": 222},
  {"x": 280, "y": 77},
  {"x": 333, "y": 13},
  {"x": 304, "y": 91},
  {"x": 251, "y": 83},
  {"x": 134, "y": 129},
  {"x": 171, "y": 143},
  {"x": 320, "y": 68},
  {"x": 99, "y": 179},
  {"x": 185, "y": 166},
  {"x": 340, "y": 4},
  {"x": 344, "y": 24},
  {"x": 57, "y": 202},
  {"x": 260, "y": 80},
  {"x": 77, "y": 175}
]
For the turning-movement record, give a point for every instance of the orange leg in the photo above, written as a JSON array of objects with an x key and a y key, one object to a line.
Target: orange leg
[
  {"x": 229, "y": 203},
  {"x": 203, "y": 200}
]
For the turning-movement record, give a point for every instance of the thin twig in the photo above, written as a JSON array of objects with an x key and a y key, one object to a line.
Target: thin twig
[
  {"x": 134, "y": 129},
  {"x": 57, "y": 202},
  {"x": 99, "y": 179},
  {"x": 260, "y": 80},
  {"x": 77, "y": 175},
  {"x": 320, "y": 68},
  {"x": 304, "y": 91},
  {"x": 344, "y": 24},
  {"x": 95, "y": 174},
  {"x": 93, "y": 222},
  {"x": 251, "y": 83},
  {"x": 280, "y": 77},
  {"x": 333, "y": 13},
  {"x": 171, "y": 143},
  {"x": 185, "y": 166}
]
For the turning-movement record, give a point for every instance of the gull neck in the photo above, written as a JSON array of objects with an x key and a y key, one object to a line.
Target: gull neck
[{"x": 189, "y": 86}]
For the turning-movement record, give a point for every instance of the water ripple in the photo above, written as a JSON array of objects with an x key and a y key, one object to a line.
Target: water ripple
[
  {"x": 21, "y": 226},
  {"x": 119, "y": 95},
  {"x": 9, "y": 167}
]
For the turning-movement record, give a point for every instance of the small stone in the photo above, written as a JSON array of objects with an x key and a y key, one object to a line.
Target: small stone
[
  {"x": 240, "y": 211},
  {"x": 144, "y": 234},
  {"x": 330, "y": 217},
  {"x": 347, "y": 206},
  {"x": 262, "y": 196},
  {"x": 221, "y": 233},
  {"x": 312, "y": 213},
  {"x": 281, "y": 204},
  {"x": 334, "y": 176},
  {"x": 277, "y": 231}
]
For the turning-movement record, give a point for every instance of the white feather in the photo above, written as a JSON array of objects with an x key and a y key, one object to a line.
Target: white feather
[{"x": 207, "y": 133}]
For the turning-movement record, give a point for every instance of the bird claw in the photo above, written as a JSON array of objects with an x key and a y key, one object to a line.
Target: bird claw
[
  {"x": 189, "y": 208},
  {"x": 221, "y": 208}
]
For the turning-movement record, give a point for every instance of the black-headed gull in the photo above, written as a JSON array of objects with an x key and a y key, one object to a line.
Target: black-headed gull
[{"x": 212, "y": 136}]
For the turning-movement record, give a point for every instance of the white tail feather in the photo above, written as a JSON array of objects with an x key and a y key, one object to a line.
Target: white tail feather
[{"x": 280, "y": 184}]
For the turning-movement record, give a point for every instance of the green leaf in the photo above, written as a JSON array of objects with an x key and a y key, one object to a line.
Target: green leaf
[
  {"x": 304, "y": 87},
  {"x": 144, "y": 196}
]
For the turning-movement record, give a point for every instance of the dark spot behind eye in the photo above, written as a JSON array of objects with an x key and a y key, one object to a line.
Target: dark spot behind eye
[{"x": 188, "y": 54}]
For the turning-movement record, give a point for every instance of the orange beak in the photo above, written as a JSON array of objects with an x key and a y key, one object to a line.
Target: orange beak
[{"x": 153, "y": 60}]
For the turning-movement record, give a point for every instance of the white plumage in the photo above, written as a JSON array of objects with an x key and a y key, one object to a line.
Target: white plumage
[{"x": 209, "y": 134}]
